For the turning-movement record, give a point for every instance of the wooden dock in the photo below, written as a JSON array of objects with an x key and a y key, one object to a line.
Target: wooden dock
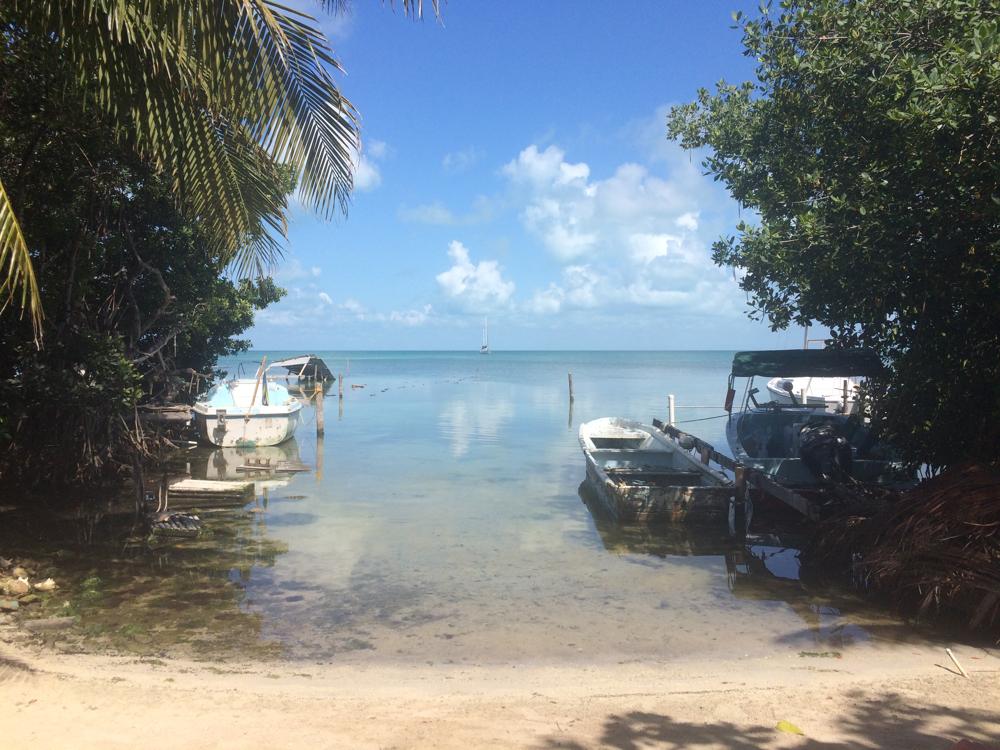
[{"x": 204, "y": 493}]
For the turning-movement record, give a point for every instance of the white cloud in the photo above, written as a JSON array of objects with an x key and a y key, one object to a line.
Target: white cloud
[
  {"x": 378, "y": 150},
  {"x": 366, "y": 175},
  {"x": 293, "y": 270},
  {"x": 475, "y": 285},
  {"x": 634, "y": 237},
  {"x": 545, "y": 168},
  {"x": 438, "y": 214},
  {"x": 412, "y": 318},
  {"x": 546, "y": 301},
  {"x": 306, "y": 311},
  {"x": 688, "y": 221},
  {"x": 460, "y": 161},
  {"x": 353, "y": 306},
  {"x": 430, "y": 213}
]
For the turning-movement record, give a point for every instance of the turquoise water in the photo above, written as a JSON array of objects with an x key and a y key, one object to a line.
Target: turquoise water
[
  {"x": 443, "y": 519},
  {"x": 444, "y": 522}
]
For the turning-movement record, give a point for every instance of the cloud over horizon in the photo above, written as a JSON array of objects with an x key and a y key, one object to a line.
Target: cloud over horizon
[
  {"x": 632, "y": 238},
  {"x": 474, "y": 286}
]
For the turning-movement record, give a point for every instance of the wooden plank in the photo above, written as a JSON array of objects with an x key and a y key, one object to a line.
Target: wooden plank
[
  {"x": 791, "y": 498},
  {"x": 705, "y": 450},
  {"x": 211, "y": 486},
  {"x": 751, "y": 476},
  {"x": 205, "y": 493}
]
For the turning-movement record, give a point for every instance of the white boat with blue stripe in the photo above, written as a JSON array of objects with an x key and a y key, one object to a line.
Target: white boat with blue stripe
[{"x": 247, "y": 412}]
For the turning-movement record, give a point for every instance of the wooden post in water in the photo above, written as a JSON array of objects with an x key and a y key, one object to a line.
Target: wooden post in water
[
  {"x": 318, "y": 395},
  {"x": 671, "y": 414},
  {"x": 570, "y": 376},
  {"x": 340, "y": 385},
  {"x": 739, "y": 529},
  {"x": 319, "y": 458}
]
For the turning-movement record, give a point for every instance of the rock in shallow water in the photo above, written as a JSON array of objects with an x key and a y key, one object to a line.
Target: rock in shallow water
[{"x": 9, "y": 605}]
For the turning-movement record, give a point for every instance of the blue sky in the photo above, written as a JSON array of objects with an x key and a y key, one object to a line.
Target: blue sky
[{"x": 515, "y": 165}]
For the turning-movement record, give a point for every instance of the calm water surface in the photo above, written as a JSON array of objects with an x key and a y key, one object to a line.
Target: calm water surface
[{"x": 444, "y": 522}]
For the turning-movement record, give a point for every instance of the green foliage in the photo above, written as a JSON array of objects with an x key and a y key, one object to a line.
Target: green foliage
[
  {"x": 869, "y": 150},
  {"x": 135, "y": 291},
  {"x": 213, "y": 94}
]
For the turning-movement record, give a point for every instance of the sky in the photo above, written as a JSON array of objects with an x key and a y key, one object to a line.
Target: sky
[{"x": 515, "y": 166}]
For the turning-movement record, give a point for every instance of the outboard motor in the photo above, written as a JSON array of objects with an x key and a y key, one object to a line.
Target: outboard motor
[{"x": 825, "y": 452}]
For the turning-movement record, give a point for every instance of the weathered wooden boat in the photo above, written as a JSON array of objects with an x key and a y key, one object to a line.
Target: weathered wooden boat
[
  {"x": 640, "y": 474},
  {"x": 304, "y": 367},
  {"x": 247, "y": 412},
  {"x": 803, "y": 445}
]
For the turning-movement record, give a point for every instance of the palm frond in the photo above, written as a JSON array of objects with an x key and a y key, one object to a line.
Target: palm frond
[
  {"x": 414, "y": 8},
  {"x": 17, "y": 275},
  {"x": 215, "y": 93}
]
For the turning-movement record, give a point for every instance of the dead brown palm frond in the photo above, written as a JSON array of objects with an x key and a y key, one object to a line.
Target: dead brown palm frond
[
  {"x": 217, "y": 94},
  {"x": 937, "y": 546}
]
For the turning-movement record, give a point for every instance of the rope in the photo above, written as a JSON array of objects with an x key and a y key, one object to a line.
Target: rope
[{"x": 703, "y": 419}]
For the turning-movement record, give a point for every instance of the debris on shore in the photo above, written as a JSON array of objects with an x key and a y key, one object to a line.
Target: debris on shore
[
  {"x": 16, "y": 586},
  {"x": 934, "y": 550}
]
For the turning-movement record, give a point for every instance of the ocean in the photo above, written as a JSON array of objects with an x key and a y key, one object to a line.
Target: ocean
[
  {"x": 445, "y": 519},
  {"x": 447, "y": 522}
]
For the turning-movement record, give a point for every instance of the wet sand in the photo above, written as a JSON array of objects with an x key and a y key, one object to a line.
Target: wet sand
[{"x": 902, "y": 696}]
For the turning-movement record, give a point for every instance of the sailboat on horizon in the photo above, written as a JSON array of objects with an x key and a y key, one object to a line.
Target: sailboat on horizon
[{"x": 485, "y": 348}]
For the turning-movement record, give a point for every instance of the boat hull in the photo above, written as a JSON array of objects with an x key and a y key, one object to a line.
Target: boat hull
[
  {"x": 701, "y": 506},
  {"x": 641, "y": 475},
  {"x": 236, "y": 429},
  {"x": 763, "y": 446}
]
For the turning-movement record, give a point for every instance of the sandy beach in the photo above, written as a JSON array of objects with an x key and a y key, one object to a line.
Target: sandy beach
[{"x": 906, "y": 696}]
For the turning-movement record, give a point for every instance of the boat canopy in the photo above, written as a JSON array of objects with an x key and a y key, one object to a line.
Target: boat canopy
[
  {"x": 305, "y": 366},
  {"x": 793, "y": 363}
]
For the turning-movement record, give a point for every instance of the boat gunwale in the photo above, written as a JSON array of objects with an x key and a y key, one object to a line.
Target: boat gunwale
[{"x": 669, "y": 446}]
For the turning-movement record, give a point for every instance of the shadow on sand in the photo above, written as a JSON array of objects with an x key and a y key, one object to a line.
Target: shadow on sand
[{"x": 890, "y": 721}]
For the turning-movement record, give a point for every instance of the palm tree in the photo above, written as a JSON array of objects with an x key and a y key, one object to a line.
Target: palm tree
[{"x": 217, "y": 95}]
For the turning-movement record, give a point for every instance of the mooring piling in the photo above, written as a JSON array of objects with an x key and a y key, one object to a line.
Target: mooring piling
[
  {"x": 340, "y": 385},
  {"x": 671, "y": 406},
  {"x": 318, "y": 395},
  {"x": 570, "y": 377},
  {"x": 319, "y": 457}
]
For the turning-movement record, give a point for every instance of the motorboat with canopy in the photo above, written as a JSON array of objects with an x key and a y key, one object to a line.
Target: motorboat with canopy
[{"x": 803, "y": 444}]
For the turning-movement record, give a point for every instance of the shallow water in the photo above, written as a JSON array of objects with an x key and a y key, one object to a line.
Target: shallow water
[{"x": 444, "y": 521}]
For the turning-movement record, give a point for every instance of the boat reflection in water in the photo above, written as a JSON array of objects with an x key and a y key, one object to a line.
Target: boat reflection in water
[
  {"x": 266, "y": 466},
  {"x": 764, "y": 568}
]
